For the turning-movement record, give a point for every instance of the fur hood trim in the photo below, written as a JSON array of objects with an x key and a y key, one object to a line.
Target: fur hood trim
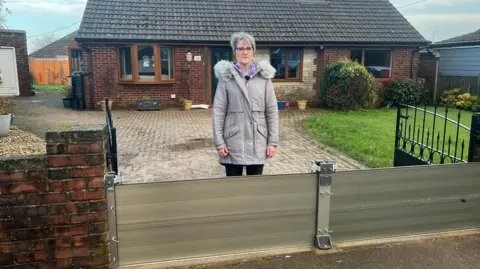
[{"x": 223, "y": 70}]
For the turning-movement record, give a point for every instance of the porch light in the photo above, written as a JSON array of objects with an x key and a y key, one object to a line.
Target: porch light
[{"x": 189, "y": 57}]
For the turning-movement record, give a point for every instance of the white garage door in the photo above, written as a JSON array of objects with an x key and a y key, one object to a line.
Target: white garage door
[{"x": 8, "y": 72}]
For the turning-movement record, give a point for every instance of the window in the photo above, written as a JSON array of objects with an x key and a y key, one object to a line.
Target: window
[
  {"x": 146, "y": 64},
  {"x": 125, "y": 63},
  {"x": 288, "y": 63},
  {"x": 76, "y": 63},
  {"x": 377, "y": 61}
]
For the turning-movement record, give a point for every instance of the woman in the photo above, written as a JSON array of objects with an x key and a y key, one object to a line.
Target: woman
[{"x": 245, "y": 113}]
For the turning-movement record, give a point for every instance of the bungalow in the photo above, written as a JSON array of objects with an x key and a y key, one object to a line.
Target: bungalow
[
  {"x": 137, "y": 49},
  {"x": 458, "y": 63},
  {"x": 53, "y": 63}
]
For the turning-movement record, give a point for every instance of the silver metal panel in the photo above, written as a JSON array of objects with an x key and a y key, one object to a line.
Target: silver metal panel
[
  {"x": 380, "y": 203},
  {"x": 186, "y": 219}
]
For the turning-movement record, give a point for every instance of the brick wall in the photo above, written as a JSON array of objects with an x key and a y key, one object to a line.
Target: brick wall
[
  {"x": 402, "y": 63},
  {"x": 18, "y": 40},
  {"x": 105, "y": 61},
  {"x": 53, "y": 208}
]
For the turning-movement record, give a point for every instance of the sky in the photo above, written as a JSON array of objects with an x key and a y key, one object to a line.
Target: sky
[{"x": 436, "y": 20}]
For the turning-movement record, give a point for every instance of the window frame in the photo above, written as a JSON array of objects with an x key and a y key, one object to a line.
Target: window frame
[
  {"x": 363, "y": 60},
  {"x": 71, "y": 51},
  {"x": 133, "y": 62},
  {"x": 287, "y": 49}
]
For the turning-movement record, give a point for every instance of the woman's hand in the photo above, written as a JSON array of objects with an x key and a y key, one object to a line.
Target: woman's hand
[
  {"x": 271, "y": 150},
  {"x": 223, "y": 152}
]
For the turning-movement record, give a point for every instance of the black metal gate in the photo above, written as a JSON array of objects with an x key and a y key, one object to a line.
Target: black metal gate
[
  {"x": 425, "y": 137},
  {"x": 112, "y": 162}
]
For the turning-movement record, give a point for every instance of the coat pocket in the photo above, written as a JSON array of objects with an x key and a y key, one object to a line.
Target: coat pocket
[
  {"x": 262, "y": 130},
  {"x": 231, "y": 131}
]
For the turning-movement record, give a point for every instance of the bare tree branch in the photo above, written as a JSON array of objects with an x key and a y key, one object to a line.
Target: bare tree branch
[
  {"x": 43, "y": 41},
  {"x": 3, "y": 14}
]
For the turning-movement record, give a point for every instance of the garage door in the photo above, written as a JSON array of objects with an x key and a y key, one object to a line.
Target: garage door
[{"x": 8, "y": 72}]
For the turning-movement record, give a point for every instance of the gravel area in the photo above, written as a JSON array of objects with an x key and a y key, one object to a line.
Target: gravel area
[{"x": 21, "y": 143}]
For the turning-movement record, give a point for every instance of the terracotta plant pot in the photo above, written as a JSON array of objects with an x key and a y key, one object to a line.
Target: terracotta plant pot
[
  {"x": 5, "y": 121},
  {"x": 302, "y": 104},
  {"x": 187, "y": 105},
  {"x": 104, "y": 107}
]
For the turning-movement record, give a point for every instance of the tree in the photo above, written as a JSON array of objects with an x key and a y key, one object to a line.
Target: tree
[
  {"x": 43, "y": 41},
  {"x": 3, "y": 14}
]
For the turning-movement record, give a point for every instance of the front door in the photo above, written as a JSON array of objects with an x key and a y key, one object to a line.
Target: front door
[{"x": 217, "y": 54}]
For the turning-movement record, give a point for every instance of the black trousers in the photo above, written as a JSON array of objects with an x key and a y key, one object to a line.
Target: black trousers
[{"x": 234, "y": 170}]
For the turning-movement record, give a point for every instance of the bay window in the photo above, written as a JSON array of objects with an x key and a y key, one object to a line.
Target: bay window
[
  {"x": 377, "y": 61},
  {"x": 288, "y": 62},
  {"x": 147, "y": 64}
]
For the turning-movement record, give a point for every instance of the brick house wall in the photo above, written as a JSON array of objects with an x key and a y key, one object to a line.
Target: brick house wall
[
  {"x": 53, "y": 211},
  {"x": 105, "y": 64},
  {"x": 18, "y": 40}
]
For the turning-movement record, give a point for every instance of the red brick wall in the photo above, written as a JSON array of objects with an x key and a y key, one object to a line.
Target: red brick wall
[
  {"x": 18, "y": 40},
  {"x": 105, "y": 61},
  {"x": 401, "y": 65},
  {"x": 53, "y": 208}
]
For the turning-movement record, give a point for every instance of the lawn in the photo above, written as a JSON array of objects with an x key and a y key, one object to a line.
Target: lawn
[
  {"x": 369, "y": 135},
  {"x": 48, "y": 88}
]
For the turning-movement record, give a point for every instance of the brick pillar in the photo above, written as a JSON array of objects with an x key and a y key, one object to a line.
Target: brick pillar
[{"x": 53, "y": 210}]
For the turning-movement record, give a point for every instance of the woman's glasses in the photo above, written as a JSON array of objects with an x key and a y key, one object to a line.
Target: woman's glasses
[{"x": 247, "y": 49}]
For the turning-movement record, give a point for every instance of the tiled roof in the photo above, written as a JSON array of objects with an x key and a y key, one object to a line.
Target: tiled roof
[
  {"x": 354, "y": 21},
  {"x": 468, "y": 39},
  {"x": 57, "y": 48}
]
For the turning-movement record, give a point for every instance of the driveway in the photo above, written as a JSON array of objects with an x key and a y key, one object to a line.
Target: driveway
[{"x": 174, "y": 144}]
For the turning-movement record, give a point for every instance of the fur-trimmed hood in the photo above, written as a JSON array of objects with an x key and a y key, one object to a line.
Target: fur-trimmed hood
[{"x": 223, "y": 70}]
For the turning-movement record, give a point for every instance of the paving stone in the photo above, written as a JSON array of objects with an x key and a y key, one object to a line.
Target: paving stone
[{"x": 175, "y": 144}]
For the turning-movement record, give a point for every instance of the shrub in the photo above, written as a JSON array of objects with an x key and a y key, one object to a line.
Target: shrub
[
  {"x": 6, "y": 105},
  {"x": 379, "y": 99},
  {"x": 476, "y": 103},
  {"x": 66, "y": 90},
  {"x": 347, "y": 86},
  {"x": 450, "y": 98},
  {"x": 464, "y": 101},
  {"x": 406, "y": 91}
]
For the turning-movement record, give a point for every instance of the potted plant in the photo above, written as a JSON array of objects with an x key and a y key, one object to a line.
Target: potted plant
[
  {"x": 67, "y": 98},
  {"x": 281, "y": 102},
  {"x": 301, "y": 95},
  {"x": 6, "y": 106}
]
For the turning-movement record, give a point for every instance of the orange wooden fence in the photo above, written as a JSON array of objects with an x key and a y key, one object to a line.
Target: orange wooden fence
[{"x": 50, "y": 71}]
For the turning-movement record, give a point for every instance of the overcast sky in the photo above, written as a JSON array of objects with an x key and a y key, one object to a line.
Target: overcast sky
[{"x": 435, "y": 19}]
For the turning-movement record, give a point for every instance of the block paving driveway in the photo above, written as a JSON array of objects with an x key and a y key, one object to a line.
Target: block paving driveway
[{"x": 173, "y": 144}]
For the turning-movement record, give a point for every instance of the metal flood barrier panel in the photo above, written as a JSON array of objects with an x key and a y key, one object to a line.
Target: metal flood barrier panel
[
  {"x": 200, "y": 218},
  {"x": 381, "y": 203},
  {"x": 176, "y": 220}
]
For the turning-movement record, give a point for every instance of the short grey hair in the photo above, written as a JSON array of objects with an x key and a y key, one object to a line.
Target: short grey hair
[{"x": 242, "y": 36}]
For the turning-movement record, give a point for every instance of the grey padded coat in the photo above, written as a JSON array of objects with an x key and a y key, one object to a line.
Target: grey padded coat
[{"x": 245, "y": 114}]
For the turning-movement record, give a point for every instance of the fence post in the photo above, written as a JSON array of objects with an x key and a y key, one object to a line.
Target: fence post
[
  {"x": 112, "y": 219},
  {"x": 474, "y": 148},
  {"x": 324, "y": 170}
]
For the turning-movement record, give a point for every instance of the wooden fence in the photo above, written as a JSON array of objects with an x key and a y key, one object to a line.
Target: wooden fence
[{"x": 49, "y": 71}]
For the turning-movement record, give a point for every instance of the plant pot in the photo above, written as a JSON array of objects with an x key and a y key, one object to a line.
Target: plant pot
[
  {"x": 187, "y": 105},
  {"x": 67, "y": 102},
  {"x": 281, "y": 104},
  {"x": 104, "y": 107},
  {"x": 302, "y": 104},
  {"x": 5, "y": 121}
]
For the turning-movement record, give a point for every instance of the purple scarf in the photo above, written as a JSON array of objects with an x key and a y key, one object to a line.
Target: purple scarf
[{"x": 250, "y": 72}]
